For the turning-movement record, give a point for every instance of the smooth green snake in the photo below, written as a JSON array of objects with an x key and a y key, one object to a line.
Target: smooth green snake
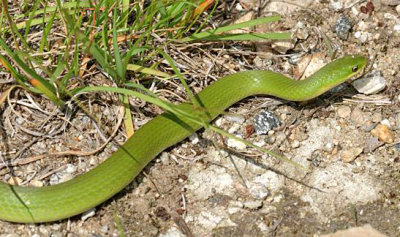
[{"x": 50, "y": 203}]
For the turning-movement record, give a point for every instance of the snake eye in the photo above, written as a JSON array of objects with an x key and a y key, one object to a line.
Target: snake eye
[{"x": 355, "y": 69}]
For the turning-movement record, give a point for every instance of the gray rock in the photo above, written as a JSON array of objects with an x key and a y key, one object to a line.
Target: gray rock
[
  {"x": 371, "y": 144},
  {"x": 265, "y": 121},
  {"x": 371, "y": 83},
  {"x": 343, "y": 27}
]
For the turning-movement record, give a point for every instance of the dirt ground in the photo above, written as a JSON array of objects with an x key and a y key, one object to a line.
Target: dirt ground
[{"x": 347, "y": 140}]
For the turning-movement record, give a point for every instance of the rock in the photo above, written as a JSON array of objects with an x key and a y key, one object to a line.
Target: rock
[
  {"x": 301, "y": 65},
  {"x": 15, "y": 181},
  {"x": 172, "y": 232},
  {"x": 235, "y": 118},
  {"x": 383, "y": 133},
  {"x": 261, "y": 186},
  {"x": 386, "y": 122},
  {"x": 282, "y": 46},
  {"x": 301, "y": 31},
  {"x": 336, "y": 5},
  {"x": 344, "y": 111},
  {"x": 194, "y": 138},
  {"x": 376, "y": 117},
  {"x": 362, "y": 36},
  {"x": 397, "y": 120},
  {"x": 398, "y": 9},
  {"x": 265, "y": 121},
  {"x": 253, "y": 205},
  {"x": 36, "y": 183},
  {"x": 371, "y": 83},
  {"x": 364, "y": 231},
  {"x": 295, "y": 144},
  {"x": 390, "y": 2},
  {"x": 397, "y": 146},
  {"x": 371, "y": 144},
  {"x": 71, "y": 168},
  {"x": 396, "y": 28},
  {"x": 65, "y": 177},
  {"x": 204, "y": 183},
  {"x": 351, "y": 154},
  {"x": 233, "y": 143},
  {"x": 235, "y": 127},
  {"x": 358, "y": 117},
  {"x": 343, "y": 26},
  {"x": 287, "y": 7},
  {"x": 317, "y": 62},
  {"x": 86, "y": 215},
  {"x": 258, "y": 190}
]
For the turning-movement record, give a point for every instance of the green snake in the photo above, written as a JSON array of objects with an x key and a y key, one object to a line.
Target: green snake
[{"x": 51, "y": 203}]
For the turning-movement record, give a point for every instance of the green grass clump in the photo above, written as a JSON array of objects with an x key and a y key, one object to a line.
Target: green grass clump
[{"x": 114, "y": 37}]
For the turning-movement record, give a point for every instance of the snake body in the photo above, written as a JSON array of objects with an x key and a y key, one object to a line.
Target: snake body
[{"x": 50, "y": 203}]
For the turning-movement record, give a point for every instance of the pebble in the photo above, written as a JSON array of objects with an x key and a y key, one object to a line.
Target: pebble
[
  {"x": 386, "y": 122},
  {"x": 282, "y": 46},
  {"x": 343, "y": 26},
  {"x": 397, "y": 121},
  {"x": 344, "y": 111},
  {"x": 104, "y": 228},
  {"x": 336, "y": 5},
  {"x": 396, "y": 28},
  {"x": 371, "y": 83},
  {"x": 36, "y": 183},
  {"x": 397, "y": 146},
  {"x": 390, "y": 2},
  {"x": 295, "y": 144},
  {"x": 235, "y": 143},
  {"x": 15, "y": 181},
  {"x": 86, "y": 215},
  {"x": 384, "y": 134},
  {"x": 194, "y": 139},
  {"x": 253, "y": 205},
  {"x": 286, "y": 7},
  {"x": 65, "y": 177},
  {"x": 351, "y": 154},
  {"x": 236, "y": 119},
  {"x": 398, "y": 9},
  {"x": 301, "y": 31},
  {"x": 235, "y": 127},
  {"x": 265, "y": 121},
  {"x": 317, "y": 62},
  {"x": 258, "y": 190},
  {"x": 71, "y": 168},
  {"x": 371, "y": 144},
  {"x": 358, "y": 117},
  {"x": 376, "y": 117},
  {"x": 362, "y": 36},
  {"x": 20, "y": 120}
]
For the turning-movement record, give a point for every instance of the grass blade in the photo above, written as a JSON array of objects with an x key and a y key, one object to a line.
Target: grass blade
[
  {"x": 146, "y": 70},
  {"x": 246, "y": 37},
  {"x": 220, "y": 30}
]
